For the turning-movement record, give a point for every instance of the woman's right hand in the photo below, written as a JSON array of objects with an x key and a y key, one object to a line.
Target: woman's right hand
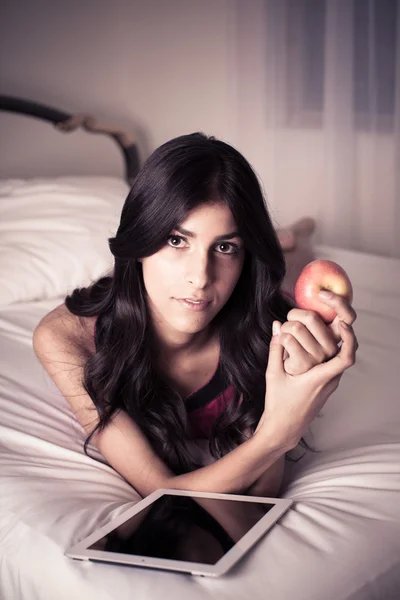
[{"x": 292, "y": 401}]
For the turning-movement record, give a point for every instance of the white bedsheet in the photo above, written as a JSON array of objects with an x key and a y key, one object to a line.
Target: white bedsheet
[{"x": 341, "y": 539}]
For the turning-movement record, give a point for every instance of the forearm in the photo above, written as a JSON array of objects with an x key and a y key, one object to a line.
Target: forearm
[
  {"x": 235, "y": 517},
  {"x": 270, "y": 482},
  {"x": 233, "y": 473}
]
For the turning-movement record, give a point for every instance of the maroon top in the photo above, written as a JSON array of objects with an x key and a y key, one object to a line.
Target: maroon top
[{"x": 206, "y": 404}]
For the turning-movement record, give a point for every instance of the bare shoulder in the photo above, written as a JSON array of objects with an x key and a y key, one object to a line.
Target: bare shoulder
[
  {"x": 63, "y": 343},
  {"x": 61, "y": 326}
]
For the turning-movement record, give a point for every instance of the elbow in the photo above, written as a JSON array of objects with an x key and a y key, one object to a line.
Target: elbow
[
  {"x": 42, "y": 341},
  {"x": 270, "y": 483},
  {"x": 265, "y": 491}
]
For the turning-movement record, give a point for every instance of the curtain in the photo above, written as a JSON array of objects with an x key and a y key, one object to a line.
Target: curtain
[{"x": 327, "y": 75}]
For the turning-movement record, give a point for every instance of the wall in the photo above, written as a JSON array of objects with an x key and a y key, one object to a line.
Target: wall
[
  {"x": 345, "y": 176},
  {"x": 164, "y": 68},
  {"x": 159, "y": 68}
]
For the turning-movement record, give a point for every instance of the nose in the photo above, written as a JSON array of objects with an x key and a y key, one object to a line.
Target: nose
[{"x": 199, "y": 270}]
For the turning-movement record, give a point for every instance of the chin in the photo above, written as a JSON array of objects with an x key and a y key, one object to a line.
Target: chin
[{"x": 190, "y": 327}]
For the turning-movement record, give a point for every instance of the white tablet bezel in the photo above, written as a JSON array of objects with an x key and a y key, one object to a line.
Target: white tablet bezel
[{"x": 80, "y": 551}]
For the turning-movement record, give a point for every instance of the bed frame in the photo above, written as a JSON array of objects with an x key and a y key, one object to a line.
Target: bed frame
[{"x": 67, "y": 122}]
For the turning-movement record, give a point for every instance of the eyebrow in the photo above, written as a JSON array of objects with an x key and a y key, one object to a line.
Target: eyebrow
[{"x": 227, "y": 236}]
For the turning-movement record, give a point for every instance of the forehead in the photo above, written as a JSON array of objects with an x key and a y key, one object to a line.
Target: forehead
[{"x": 214, "y": 217}]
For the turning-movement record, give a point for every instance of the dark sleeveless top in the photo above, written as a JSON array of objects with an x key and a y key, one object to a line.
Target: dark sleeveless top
[{"x": 206, "y": 404}]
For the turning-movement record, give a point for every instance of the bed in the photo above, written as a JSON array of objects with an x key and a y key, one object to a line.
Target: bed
[{"x": 341, "y": 538}]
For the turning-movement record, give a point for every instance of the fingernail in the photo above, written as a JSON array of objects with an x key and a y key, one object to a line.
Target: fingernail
[
  {"x": 344, "y": 325},
  {"x": 325, "y": 295},
  {"x": 275, "y": 328}
]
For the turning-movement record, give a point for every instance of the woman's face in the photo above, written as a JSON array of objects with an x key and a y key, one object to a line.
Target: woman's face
[{"x": 203, "y": 262}]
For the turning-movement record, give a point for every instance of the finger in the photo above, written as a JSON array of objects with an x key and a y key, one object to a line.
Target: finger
[
  {"x": 276, "y": 329},
  {"x": 344, "y": 359},
  {"x": 299, "y": 360},
  {"x": 335, "y": 327},
  {"x": 315, "y": 337},
  {"x": 341, "y": 305},
  {"x": 320, "y": 332},
  {"x": 275, "y": 358}
]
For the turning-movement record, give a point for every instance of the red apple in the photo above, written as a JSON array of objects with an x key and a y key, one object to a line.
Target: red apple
[{"x": 321, "y": 275}]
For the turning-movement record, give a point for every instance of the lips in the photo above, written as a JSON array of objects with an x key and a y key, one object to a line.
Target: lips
[{"x": 194, "y": 304}]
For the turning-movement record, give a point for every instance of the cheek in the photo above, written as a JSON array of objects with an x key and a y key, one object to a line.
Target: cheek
[
  {"x": 163, "y": 273},
  {"x": 229, "y": 275},
  {"x": 159, "y": 274}
]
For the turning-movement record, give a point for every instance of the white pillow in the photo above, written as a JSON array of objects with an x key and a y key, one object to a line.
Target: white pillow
[{"x": 54, "y": 234}]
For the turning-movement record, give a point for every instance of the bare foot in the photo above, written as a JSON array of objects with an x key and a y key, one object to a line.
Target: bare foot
[{"x": 287, "y": 239}]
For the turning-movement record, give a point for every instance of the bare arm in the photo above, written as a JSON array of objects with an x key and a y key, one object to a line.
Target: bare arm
[
  {"x": 291, "y": 403},
  {"x": 58, "y": 343},
  {"x": 234, "y": 473},
  {"x": 270, "y": 482}
]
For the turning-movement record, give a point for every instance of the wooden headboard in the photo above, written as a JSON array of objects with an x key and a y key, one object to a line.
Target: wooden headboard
[{"x": 67, "y": 122}]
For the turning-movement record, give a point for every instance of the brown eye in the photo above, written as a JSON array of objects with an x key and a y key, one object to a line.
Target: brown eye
[
  {"x": 174, "y": 238},
  {"x": 234, "y": 249}
]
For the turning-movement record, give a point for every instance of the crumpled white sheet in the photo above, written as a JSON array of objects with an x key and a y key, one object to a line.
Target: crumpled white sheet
[{"x": 340, "y": 540}]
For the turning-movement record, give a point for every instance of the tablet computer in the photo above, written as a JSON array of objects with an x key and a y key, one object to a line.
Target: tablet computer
[{"x": 192, "y": 532}]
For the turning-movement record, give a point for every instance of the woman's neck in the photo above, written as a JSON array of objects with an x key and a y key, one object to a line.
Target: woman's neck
[
  {"x": 168, "y": 358},
  {"x": 175, "y": 351}
]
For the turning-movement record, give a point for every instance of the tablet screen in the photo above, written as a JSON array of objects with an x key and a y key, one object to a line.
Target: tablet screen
[{"x": 184, "y": 528}]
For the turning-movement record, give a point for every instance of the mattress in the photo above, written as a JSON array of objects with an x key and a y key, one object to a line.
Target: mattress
[{"x": 340, "y": 540}]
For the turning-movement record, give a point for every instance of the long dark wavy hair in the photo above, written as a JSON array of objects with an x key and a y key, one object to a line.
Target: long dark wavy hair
[{"x": 121, "y": 375}]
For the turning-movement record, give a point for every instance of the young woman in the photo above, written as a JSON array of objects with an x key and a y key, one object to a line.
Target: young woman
[{"x": 176, "y": 344}]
